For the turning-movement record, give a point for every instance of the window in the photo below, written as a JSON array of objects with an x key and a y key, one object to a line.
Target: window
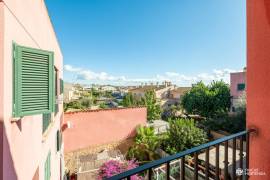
[
  {"x": 58, "y": 140},
  {"x": 47, "y": 167},
  {"x": 61, "y": 86},
  {"x": 56, "y": 85},
  {"x": 33, "y": 81},
  {"x": 241, "y": 87},
  {"x": 46, "y": 120}
]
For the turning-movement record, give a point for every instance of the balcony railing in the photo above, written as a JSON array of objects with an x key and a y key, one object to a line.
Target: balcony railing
[{"x": 237, "y": 142}]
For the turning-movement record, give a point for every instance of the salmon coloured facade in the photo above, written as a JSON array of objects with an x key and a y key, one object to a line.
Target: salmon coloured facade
[{"x": 30, "y": 93}]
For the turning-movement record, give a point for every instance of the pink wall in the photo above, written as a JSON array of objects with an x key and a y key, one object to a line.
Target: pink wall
[
  {"x": 101, "y": 126},
  {"x": 258, "y": 89},
  {"x": 1, "y": 85},
  {"x": 24, "y": 147},
  {"x": 237, "y": 78}
]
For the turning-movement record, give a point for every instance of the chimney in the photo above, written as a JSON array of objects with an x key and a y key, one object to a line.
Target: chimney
[{"x": 166, "y": 83}]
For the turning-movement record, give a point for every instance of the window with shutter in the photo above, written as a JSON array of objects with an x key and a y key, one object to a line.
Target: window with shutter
[
  {"x": 58, "y": 140},
  {"x": 241, "y": 87},
  {"x": 33, "y": 81},
  {"x": 46, "y": 120},
  {"x": 47, "y": 167},
  {"x": 61, "y": 86},
  {"x": 56, "y": 86}
]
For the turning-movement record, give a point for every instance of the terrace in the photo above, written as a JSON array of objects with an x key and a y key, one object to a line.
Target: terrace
[{"x": 202, "y": 170}]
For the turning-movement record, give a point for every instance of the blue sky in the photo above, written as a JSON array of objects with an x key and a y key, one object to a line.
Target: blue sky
[{"x": 133, "y": 41}]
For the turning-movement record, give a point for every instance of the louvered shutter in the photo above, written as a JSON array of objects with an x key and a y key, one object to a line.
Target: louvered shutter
[
  {"x": 47, "y": 167},
  {"x": 58, "y": 140},
  {"x": 33, "y": 81},
  {"x": 61, "y": 86},
  {"x": 46, "y": 120}
]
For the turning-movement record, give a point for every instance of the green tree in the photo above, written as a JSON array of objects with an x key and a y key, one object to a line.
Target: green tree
[
  {"x": 183, "y": 134},
  {"x": 108, "y": 94},
  {"x": 153, "y": 107},
  {"x": 129, "y": 100},
  {"x": 73, "y": 105},
  {"x": 207, "y": 101},
  {"x": 103, "y": 106},
  {"x": 86, "y": 102}
]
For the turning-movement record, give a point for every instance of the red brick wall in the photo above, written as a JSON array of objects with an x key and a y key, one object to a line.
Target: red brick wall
[
  {"x": 101, "y": 126},
  {"x": 258, "y": 84}
]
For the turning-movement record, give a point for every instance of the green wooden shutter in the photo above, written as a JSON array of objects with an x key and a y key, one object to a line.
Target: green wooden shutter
[
  {"x": 33, "y": 81},
  {"x": 47, "y": 167},
  {"x": 46, "y": 120},
  {"x": 56, "y": 108},
  {"x": 58, "y": 140},
  {"x": 61, "y": 86},
  {"x": 241, "y": 87}
]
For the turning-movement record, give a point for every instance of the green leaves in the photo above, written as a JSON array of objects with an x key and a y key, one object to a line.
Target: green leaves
[
  {"x": 207, "y": 101},
  {"x": 149, "y": 100},
  {"x": 129, "y": 100},
  {"x": 146, "y": 143},
  {"x": 153, "y": 107},
  {"x": 183, "y": 134}
]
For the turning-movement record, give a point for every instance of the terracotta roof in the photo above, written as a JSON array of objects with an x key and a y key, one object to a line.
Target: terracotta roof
[
  {"x": 148, "y": 87},
  {"x": 97, "y": 110},
  {"x": 181, "y": 90}
]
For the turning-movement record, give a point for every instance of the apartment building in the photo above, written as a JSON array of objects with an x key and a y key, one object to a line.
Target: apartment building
[
  {"x": 237, "y": 89},
  {"x": 31, "y": 90},
  {"x": 174, "y": 97},
  {"x": 161, "y": 91}
]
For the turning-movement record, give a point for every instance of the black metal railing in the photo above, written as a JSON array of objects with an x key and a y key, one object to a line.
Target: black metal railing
[{"x": 235, "y": 141}]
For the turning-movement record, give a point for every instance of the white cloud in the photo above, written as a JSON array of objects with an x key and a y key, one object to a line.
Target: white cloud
[
  {"x": 175, "y": 77},
  {"x": 71, "y": 68}
]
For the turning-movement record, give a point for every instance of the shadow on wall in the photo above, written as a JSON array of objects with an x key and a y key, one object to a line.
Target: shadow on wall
[
  {"x": 7, "y": 169},
  {"x": 267, "y": 10}
]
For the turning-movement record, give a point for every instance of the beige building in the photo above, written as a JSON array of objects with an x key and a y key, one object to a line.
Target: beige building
[
  {"x": 174, "y": 97},
  {"x": 70, "y": 92},
  {"x": 162, "y": 91},
  {"x": 178, "y": 92}
]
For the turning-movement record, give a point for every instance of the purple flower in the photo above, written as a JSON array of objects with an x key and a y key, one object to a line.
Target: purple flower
[{"x": 114, "y": 167}]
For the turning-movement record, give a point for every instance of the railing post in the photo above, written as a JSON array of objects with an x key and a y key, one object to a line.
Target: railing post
[
  {"x": 182, "y": 168},
  {"x": 150, "y": 174},
  {"x": 226, "y": 160},
  {"x": 217, "y": 162},
  {"x": 207, "y": 164},
  {"x": 241, "y": 155},
  {"x": 234, "y": 160},
  {"x": 196, "y": 166},
  {"x": 168, "y": 170}
]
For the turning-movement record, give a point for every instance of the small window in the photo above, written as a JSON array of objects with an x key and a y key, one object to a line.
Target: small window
[
  {"x": 58, "y": 140},
  {"x": 46, "y": 120},
  {"x": 241, "y": 87},
  {"x": 61, "y": 86},
  {"x": 33, "y": 91},
  {"x": 56, "y": 85}
]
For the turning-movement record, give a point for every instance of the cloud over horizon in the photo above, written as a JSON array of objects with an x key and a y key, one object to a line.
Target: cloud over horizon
[{"x": 88, "y": 76}]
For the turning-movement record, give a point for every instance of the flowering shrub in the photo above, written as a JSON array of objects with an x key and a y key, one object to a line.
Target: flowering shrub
[{"x": 114, "y": 167}]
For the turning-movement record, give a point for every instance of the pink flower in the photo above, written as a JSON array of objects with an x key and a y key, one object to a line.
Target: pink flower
[{"x": 113, "y": 167}]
